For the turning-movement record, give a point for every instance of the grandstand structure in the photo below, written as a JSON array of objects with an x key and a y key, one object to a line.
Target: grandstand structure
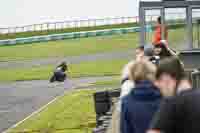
[
  {"x": 188, "y": 8},
  {"x": 191, "y": 53}
]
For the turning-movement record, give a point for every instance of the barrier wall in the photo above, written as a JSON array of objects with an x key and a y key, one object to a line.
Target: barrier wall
[{"x": 72, "y": 35}]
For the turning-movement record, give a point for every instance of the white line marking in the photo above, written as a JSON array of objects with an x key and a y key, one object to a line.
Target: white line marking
[{"x": 36, "y": 112}]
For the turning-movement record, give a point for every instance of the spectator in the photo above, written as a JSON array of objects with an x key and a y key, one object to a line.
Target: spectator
[
  {"x": 126, "y": 83},
  {"x": 139, "y": 53},
  {"x": 160, "y": 51},
  {"x": 169, "y": 73},
  {"x": 139, "y": 105},
  {"x": 157, "y": 37},
  {"x": 142, "y": 52},
  {"x": 178, "y": 114},
  {"x": 171, "y": 51}
]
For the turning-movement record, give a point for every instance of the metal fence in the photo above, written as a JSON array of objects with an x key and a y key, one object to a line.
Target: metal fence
[
  {"x": 69, "y": 24},
  {"x": 81, "y": 23}
]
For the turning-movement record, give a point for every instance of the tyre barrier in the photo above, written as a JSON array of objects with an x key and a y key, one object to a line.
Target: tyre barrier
[
  {"x": 73, "y": 35},
  {"x": 103, "y": 108}
]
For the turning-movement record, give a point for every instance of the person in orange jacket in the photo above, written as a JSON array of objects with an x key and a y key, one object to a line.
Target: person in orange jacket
[{"x": 157, "y": 37}]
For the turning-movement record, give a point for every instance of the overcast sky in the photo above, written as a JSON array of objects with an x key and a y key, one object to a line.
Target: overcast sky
[{"x": 22, "y": 12}]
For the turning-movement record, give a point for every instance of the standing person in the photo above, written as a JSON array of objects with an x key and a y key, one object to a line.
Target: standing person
[
  {"x": 160, "y": 51},
  {"x": 170, "y": 72},
  {"x": 126, "y": 83},
  {"x": 178, "y": 113},
  {"x": 157, "y": 37},
  {"x": 142, "y": 52},
  {"x": 60, "y": 73},
  {"x": 139, "y": 106}
]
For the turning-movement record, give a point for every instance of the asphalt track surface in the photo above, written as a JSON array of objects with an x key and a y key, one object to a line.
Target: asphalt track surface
[
  {"x": 128, "y": 54},
  {"x": 19, "y": 99}
]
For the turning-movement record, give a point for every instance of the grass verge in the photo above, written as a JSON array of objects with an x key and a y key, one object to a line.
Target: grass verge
[
  {"x": 72, "y": 113},
  {"x": 90, "y": 69},
  {"x": 82, "y": 46},
  {"x": 114, "y": 82},
  {"x": 65, "y": 48}
]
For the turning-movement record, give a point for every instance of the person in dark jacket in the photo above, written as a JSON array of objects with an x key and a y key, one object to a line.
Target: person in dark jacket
[
  {"x": 139, "y": 106},
  {"x": 160, "y": 51}
]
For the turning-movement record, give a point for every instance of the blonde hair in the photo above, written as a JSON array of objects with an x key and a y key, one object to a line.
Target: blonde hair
[{"x": 142, "y": 70}]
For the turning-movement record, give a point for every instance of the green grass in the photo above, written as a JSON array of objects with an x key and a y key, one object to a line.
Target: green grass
[
  {"x": 69, "y": 47},
  {"x": 177, "y": 36},
  {"x": 115, "y": 81},
  {"x": 80, "y": 46},
  {"x": 91, "y": 69},
  {"x": 66, "y": 30},
  {"x": 63, "y": 116}
]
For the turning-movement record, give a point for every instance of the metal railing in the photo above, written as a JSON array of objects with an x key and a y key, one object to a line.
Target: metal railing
[
  {"x": 68, "y": 24},
  {"x": 81, "y": 23}
]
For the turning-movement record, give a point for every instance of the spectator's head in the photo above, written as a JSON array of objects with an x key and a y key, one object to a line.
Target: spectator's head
[
  {"x": 161, "y": 50},
  {"x": 142, "y": 70},
  {"x": 148, "y": 50},
  {"x": 159, "y": 20},
  {"x": 139, "y": 52},
  {"x": 157, "y": 49},
  {"x": 169, "y": 72}
]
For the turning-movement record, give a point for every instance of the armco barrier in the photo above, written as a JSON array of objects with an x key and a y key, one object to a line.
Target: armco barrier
[{"x": 72, "y": 35}]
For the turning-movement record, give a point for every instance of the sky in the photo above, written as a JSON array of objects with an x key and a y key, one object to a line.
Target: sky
[{"x": 25, "y": 12}]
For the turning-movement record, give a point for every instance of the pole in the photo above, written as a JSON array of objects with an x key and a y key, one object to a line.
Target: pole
[
  {"x": 142, "y": 25},
  {"x": 198, "y": 23},
  {"x": 163, "y": 23},
  {"x": 189, "y": 27}
]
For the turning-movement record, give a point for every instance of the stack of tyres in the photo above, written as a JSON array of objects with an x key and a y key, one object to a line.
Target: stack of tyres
[
  {"x": 99, "y": 130},
  {"x": 102, "y": 104}
]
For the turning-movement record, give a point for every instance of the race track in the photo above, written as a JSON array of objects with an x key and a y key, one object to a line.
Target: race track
[{"x": 19, "y": 99}]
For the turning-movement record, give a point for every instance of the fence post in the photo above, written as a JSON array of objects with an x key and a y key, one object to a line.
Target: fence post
[
  {"x": 34, "y": 28},
  {"x": 136, "y": 18},
  {"x": 15, "y": 30},
  {"x": 95, "y": 22},
  {"x": 47, "y": 27},
  {"x": 41, "y": 27},
  {"x": 55, "y": 26},
  {"x": 88, "y": 23},
  {"x": 123, "y": 20}
]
